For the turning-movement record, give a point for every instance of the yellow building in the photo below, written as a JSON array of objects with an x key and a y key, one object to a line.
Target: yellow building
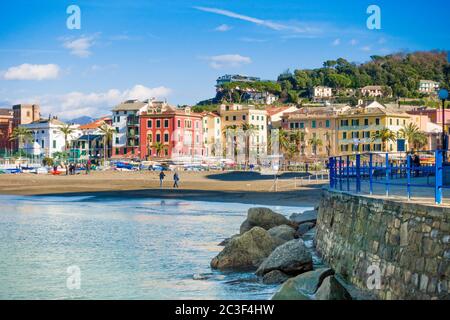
[
  {"x": 212, "y": 134},
  {"x": 236, "y": 115},
  {"x": 356, "y": 127}
]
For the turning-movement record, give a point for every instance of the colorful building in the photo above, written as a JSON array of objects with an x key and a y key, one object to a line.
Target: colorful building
[
  {"x": 6, "y": 119},
  {"x": 212, "y": 134},
  {"x": 125, "y": 119},
  {"x": 171, "y": 133}
]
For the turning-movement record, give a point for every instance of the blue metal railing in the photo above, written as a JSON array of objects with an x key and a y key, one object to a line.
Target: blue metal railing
[{"x": 388, "y": 169}]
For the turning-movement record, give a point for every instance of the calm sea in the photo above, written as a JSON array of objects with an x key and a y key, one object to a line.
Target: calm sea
[{"x": 86, "y": 248}]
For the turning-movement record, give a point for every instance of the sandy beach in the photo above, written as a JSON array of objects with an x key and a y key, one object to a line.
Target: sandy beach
[{"x": 243, "y": 187}]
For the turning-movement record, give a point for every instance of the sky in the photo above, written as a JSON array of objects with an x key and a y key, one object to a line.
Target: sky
[{"x": 175, "y": 50}]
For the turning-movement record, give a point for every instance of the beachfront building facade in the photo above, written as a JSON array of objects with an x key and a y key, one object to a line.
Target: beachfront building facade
[
  {"x": 212, "y": 134},
  {"x": 47, "y": 139},
  {"x": 275, "y": 113},
  {"x": 24, "y": 114},
  {"x": 374, "y": 91},
  {"x": 6, "y": 117},
  {"x": 171, "y": 133},
  {"x": 125, "y": 120},
  {"x": 314, "y": 130},
  {"x": 357, "y": 127},
  {"x": 428, "y": 86},
  {"x": 90, "y": 145}
]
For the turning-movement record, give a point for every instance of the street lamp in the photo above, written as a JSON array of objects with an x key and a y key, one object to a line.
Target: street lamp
[{"x": 443, "y": 95}]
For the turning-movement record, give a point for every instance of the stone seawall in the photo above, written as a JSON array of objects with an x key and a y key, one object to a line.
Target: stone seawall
[{"x": 408, "y": 243}]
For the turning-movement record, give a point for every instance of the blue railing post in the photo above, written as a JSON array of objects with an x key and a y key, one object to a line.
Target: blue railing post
[
  {"x": 439, "y": 176},
  {"x": 348, "y": 173},
  {"x": 408, "y": 176},
  {"x": 340, "y": 173},
  {"x": 387, "y": 174},
  {"x": 358, "y": 173},
  {"x": 370, "y": 174}
]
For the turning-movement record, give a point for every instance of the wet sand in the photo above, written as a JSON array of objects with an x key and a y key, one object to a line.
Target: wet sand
[{"x": 242, "y": 187}]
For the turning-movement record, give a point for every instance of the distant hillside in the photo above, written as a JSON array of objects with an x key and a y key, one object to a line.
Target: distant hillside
[
  {"x": 80, "y": 120},
  {"x": 401, "y": 72}
]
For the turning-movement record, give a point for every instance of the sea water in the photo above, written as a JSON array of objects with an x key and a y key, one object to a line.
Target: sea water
[{"x": 94, "y": 248}]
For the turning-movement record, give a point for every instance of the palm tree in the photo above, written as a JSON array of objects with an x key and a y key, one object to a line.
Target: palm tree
[
  {"x": 299, "y": 138},
  {"x": 385, "y": 135},
  {"x": 108, "y": 134},
  {"x": 414, "y": 136},
  {"x": 249, "y": 130},
  {"x": 232, "y": 129},
  {"x": 328, "y": 139},
  {"x": 66, "y": 130},
  {"x": 315, "y": 142},
  {"x": 159, "y": 147},
  {"x": 21, "y": 135}
]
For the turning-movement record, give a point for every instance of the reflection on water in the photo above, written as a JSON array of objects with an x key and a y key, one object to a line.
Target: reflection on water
[{"x": 129, "y": 249}]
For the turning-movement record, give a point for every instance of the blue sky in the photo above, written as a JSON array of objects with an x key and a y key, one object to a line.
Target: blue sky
[{"x": 176, "y": 49}]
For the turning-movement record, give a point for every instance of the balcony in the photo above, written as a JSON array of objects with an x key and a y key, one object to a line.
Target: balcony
[
  {"x": 362, "y": 128},
  {"x": 132, "y": 121}
]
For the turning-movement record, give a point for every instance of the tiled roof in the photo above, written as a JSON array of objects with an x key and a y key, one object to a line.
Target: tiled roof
[
  {"x": 5, "y": 112},
  {"x": 130, "y": 105},
  {"x": 274, "y": 110}
]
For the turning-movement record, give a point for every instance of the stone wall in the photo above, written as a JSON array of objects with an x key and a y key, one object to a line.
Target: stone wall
[{"x": 409, "y": 243}]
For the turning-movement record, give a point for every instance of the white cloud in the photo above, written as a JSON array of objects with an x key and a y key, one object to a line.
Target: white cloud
[
  {"x": 336, "y": 42},
  {"x": 353, "y": 42},
  {"x": 223, "y": 28},
  {"x": 79, "y": 47},
  {"x": 366, "y": 48},
  {"x": 94, "y": 104},
  {"x": 265, "y": 23},
  {"x": 228, "y": 61},
  {"x": 32, "y": 72}
]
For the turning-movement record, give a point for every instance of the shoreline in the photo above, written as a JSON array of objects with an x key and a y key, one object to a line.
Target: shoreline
[{"x": 228, "y": 187}]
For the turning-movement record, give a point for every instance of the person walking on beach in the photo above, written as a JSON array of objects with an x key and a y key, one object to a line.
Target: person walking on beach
[
  {"x": 88, "y": 166},
  {"x": 176, "y": 178},
  {"x": 161, "y": 178}
]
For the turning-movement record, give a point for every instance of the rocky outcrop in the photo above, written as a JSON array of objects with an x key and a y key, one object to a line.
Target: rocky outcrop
[
  {"x": 304, "y": 286},
  {"x": 264, "y": 218},
  {"x": 332, "y": 289},
  {"x": 227, "y": 240},
  {"x": 282, "y": 234},
  {"x": 292, "y": 258},
  {"x": 246, "y": 251},
  {"x": 303, "y": 229},
  {"x": 274, "y": 277},
  {"x": 307, "y": 216}
]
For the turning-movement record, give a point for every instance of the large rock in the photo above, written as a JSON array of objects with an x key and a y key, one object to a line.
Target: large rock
[
  {"x": 332, "y": 289},
  {"x": 304, "y": 228},
  {"x": 282, "y": 234},
  {"x": 227, "y": 240},
  {"x": 302, "y": 287},
  {"x": 291, "y": 258},
  {"x": 274, "y": 277},
  {"x": 307, "y": 216},
  {"x": 246, "y": 251},
  {"x": 264, "y": 218}
]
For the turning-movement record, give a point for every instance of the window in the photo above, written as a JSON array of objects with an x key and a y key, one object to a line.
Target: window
[
  {"x": 158, "y": 123},
  {"x": 355, "y": 122},
  {"x": 377, "y": 147},
  {"x": 150, "y": 138},
  {"x": 355, "y": 134},
  {"x": 355, "y": 147},
  {"x": 257, "y": 118},
  {"x": 166, "y": 152},
  {"x": 291, "y": 125},
  {"x": 366, "y": 134},
  {"x": 117, "y": 129},
  {"x": 398, "y": 122},
  {"x": 344, "y": 135},
  {"x": 366, "y": 147},
  {"x": 226, "y": 118},
  {"x": 377, "y": 121},
  {"x": 313, "y": 124},
  {"x": 166, "y": 123},
  {"x": 390, "y": 122},
  {"x": 366, "y": 122},
  {"x": 166, "y": 137},
  {"x": 327, "y": 123},
  {"x": 158, "y": 137},
  {"x": 125, "y": 150},
  {"x": 302, "y": 125},
  {"x": 117, "y": 151},
  {"x": 234, "y": 118},
  {"x": 125, "y": 112},
  {"x": 217, "y": 120},
  {"x": 243, "y": 117},
  {"x": 54, "y": 144},
  {"x": 344, "y": 123},
  {"x": 117, "y": 140},
  {"x": 404, "y": 122},
  {"x": 149, "y": 123}
]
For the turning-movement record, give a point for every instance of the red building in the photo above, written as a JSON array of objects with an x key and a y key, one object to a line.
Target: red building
[{"x": 179, "y": 130}]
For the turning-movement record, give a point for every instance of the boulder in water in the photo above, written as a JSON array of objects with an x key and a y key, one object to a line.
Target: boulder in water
[
  {"x": 303, "y": 286},
  {"x": 274, "y": 277},
  {"x": 307, "y": 216},
  {"x": 264, "y": 218},
  {"x": 332, "y": 289},
  {"x": 291, "y": 258},
  {"x": 282, "y": 234},
  {"x": 304, "y": 228},
  {"x": 246, "y": 251}
]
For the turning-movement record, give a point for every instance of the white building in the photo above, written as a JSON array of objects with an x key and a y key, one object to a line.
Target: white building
[
  {"x": 428, "y": 86},
  {"x": 321, "y": 92},
  {"x": 125, "y": 120},
  {"x": 373, "y": 91},
  {"x": 47, "y": 137},
  {"x": 212, "y": 134}
]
